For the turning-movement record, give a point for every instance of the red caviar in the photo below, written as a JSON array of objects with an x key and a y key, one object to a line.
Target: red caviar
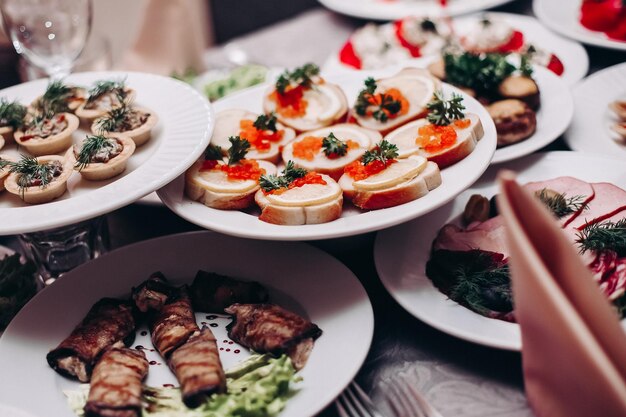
[
  {"x": 434, "y": 138},
  {"x": 259, "y": 139},
  {"x": 246, "y": 169},
  {"x": 291, "y": 103},
  {"x": 358, "y": 171},
  {"x": 310, "y": 146},
  {"x": 396, "y": 95},
  {"x": 309, "y": 178},
  {"x": 462, "y": 123}
]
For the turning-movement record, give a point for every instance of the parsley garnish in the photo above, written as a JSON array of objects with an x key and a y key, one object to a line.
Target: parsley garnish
[
  {"x": 213, "y": 153},
  {"x": 106, "y": 86},
  {"x": 334, "y": 146},
  {"x": 388, "y": 105},
  {"x": 238, "y": 149},
  {"x": 442, "y": 112},
  {"x": 266, "y": 122},
  {"x": 12, "y": 113},
  {"x": 300, "y": 76},
  {"x": 273, "y": 182},
  {"x": 383, "y": 152},
  {"x": 90, "y": 147},
  {"x": 481, "y": 73}
]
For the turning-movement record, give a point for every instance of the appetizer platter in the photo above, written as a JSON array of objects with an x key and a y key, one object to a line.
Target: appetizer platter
[
  {"x": 598, "y": 23},
  {"x": 397, "y": 9},
  {"x": 598, "y": 124},
  {"x": 313, "y": 337},
  {"x": 468, "y": 234},
  {"x": 284, "y": 164},
  {"x": 71, "y": 153},
  {"x": 416, "y": 39}
]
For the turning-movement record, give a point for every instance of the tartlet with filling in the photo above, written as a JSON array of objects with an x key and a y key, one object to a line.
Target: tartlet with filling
[
  {"x": 39, "y": 180},
  {"x": 135, "y": 122},
  {"x": 102, "y": 97},
  {"x": 60, "y": 97},
  {"x": 5, "y": 168},
  {"x": 45, "y": 134},
  {"x": 101, "y": 157},
  {"x": 12, "y": 116}
]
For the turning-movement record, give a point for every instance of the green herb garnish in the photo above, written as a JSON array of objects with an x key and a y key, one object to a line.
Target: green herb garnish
[
  {"x": 603, "y": 236},
  {"x": 238, "y": 149},
  {"x": 55, "y": 99},
  {"x": 481, "y": 73},
  {"x": 525, "y": 65},
  {"x": 387, "y": 105},
  {"x": 334, "y": 146},
  {"x": 300, "y": 76},
  {"x": 12, "y": 113},
  {"x": 90, "y": 147},
  {"x": 274, "y": 182},
  {"x": 30, "y": 170},
  {"x": 115, "y": 117},
  {"x": 266, "y": 122},
  {"x": 213, "y": 153},
  {"x": 383, "y": 152},
  {"x": 107, "y": 86},
  {"x": 559, "y": 204},
  {"x": 442, "y": 112}
]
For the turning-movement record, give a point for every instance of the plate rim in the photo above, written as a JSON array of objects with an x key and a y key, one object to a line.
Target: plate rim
[{"x": 367, "y": 325}]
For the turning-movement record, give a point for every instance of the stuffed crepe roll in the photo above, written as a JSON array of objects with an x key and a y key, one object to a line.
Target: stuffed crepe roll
[
  {"x": 212, "y": 293},
  {"x": 171, "y": 326}
]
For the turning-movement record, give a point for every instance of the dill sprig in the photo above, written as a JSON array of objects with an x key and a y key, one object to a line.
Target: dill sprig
[
  {"x": 4, "y": 163},
  {"x": 12, "y": 113},
  {"x": 387, "y": 104},
  {"x": 29, "y": 169},
  {"x": 55, "y": 99},
  {"x": 106, "y": 86},
  {"x": 275, "y": 182},
  {"x": 559, "y": 204},
  {"x": 603, "y": 236},
  {"x": 238, "y": 149},
  {"x": 442, "y": 112},
  {"x": 383, "y": 152},
  {"x": 483, "y": 290},
  {"x": 266, "y": 122},
  {"x": 90, "y": 147},
  {"x": 301, "y": 76},
  {"x": 114, "y": 117},
  {"x": 333, "y": 146}
]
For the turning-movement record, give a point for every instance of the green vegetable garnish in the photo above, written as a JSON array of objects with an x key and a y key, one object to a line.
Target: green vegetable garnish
[
  {"x": 239, "y": 78},
  {"x": 266, "y": 122},
  {"x": 481, "y": 73},
  {"x": 91, "y": 146},
  {"x": 387, "y": 105},
  {"x": 442, "y": 112},
  {"x": 603, "y": 236},
  {"x": 213, "y": 153},
  {"x": 12, "y": 113},
  {"x": 30, "y": 170},
  {"x": 114, "y": 117},
  {"x": 55, "y": 99},
  {"x": 559, "y": 204},
  {"x": 107, "y": 86},
  {"x": 238, "y": 149},
  {"x": 334, "y": 147},
  {"x": 300, "y": 76},
  {"x": 384, "y": 152},
  {"x": 274, "y": 182}
]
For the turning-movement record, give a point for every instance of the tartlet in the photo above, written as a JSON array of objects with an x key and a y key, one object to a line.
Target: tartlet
[
  {"x": 57, "y": 142},
  {"x": 88, "y": 114},
  {"x": 98, "y": 171},
  {"x": 140, "y": 135},
  {"x": 4, "y": 171},
  {"x": 36, "y": 194},
  {"x": 76, "y": 97}
]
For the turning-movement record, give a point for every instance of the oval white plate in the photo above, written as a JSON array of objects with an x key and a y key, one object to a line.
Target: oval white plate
[
  {"x": 334, "y": 300},
  {"x": 590, "y": 130},
  {"x": 397, "y": 9},
  {"x": 562, "y": 17},
  {"x": 353, "y": 221},
  {"x": 401, "y": 253},
  {"x": 183, "y": 132},
  {"x": 553, "y": 117},
  {"x": 572, "y": 54}
]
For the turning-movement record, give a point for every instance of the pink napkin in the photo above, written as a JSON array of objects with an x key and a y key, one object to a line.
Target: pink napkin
[
  {"x": 172, "y": 38},
  {"x": 574, "y": 349}
]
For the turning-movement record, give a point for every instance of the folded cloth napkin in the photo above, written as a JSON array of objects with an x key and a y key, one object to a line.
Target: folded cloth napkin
[{"x": 573, "y": 347}]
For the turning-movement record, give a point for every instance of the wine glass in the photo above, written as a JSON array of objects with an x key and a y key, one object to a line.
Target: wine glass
[{"x": 50, "y": 34}]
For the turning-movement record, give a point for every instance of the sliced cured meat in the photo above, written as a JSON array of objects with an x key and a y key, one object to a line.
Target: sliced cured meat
[
  {"x": 570, "y": 187},
  {"x": 486, "y": 238},
  {"x": 609, "y": 200}
]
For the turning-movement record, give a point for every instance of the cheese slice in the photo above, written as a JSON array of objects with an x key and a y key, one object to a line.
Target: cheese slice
[
  {"x": 396, "y": 173},
  {"x": 218, "y": 181},
  {"x": 308, "y": 194}
]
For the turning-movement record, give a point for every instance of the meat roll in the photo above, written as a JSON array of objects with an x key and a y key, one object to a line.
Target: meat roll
[
  {"x": 171, "y": 326},
  {"x": 109, "y": 321},
  {"x": 116, "y": 384},
  {"x": 212, "y": 293},
  {"x": 152, "y": 294},
  {"x": 197, "y": 367},
  {"x": 268, "y": 328}
]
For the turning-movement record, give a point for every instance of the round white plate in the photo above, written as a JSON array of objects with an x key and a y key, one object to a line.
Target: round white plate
[
  {"x": 353, "y": 221},
  {"x": 181, "y": 135},
  {"x": 590, "y": 130},
  {"x": 397, "y": 9},
  {"x": 563, "y": 17},
  {"x": 334, "y": 300},
  {"x": 572, "y": 54},
  {"x": 553, "y": 117},
  {"x": 401, "y": 253}
]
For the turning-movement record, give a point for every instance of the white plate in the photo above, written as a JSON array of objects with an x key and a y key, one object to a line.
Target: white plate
[
  {"x": 397, "y": 9},
  {"x": 563, "y": 17},
  {"x": 183, "y": 132},
  {"x": 353, "y": 221},
  {"x": 401, "y": 253},
  {"x": 334, "y": 300},
  {"x": 554, "y": 115},
  {"x": 572, "y": 54},
  {"x": 590, "y": 130}
]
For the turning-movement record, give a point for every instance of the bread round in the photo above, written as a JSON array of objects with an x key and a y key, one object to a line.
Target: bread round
[
  {"x": 52, "y": 144},
  {"x": 514, "y": 120},
  {"x": 521, "y": 88}
]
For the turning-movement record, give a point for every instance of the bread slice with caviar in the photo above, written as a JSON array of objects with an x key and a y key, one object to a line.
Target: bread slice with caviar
[
  {"x": 298, "y": 197},
  {"x": 265, "y": 135},
  {"x": 226, "y": 183},
  {"x": 379, "y": 180},
  {"x": 304, "y": 101},
  {"x": 385, "y": 104},
  {"x": 445, "y": 136},
  {"x": 330, "y": 149}
]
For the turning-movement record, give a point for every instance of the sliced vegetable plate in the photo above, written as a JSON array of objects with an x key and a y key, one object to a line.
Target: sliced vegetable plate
[
  {"x": 334, "y": 300},
  {"x": 401, "y": 252},
  {"x": 353, "y": 221}
]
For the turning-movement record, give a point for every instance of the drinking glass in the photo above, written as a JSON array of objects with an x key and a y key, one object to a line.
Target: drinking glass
[{"x": 49, "y": 34}]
